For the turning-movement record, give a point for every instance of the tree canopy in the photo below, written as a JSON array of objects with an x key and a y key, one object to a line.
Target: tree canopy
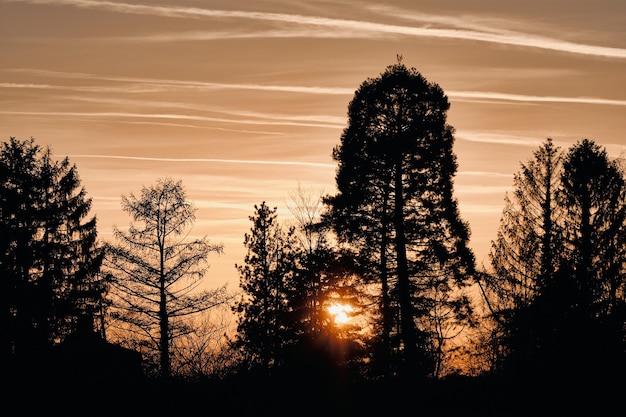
[
  {"x": 49, "y": 257},
  {"x": 395, "y": 210},
  {"x": 557, "y": 288}
]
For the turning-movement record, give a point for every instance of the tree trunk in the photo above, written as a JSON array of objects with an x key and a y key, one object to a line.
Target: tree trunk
[{"x": 407, "y": 326}]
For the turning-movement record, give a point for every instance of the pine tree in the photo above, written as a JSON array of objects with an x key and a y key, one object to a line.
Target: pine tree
[{"x": 265, "y": 327}]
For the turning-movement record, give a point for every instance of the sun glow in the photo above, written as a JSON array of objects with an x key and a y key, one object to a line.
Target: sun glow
[{"x": 340, "y": 312}]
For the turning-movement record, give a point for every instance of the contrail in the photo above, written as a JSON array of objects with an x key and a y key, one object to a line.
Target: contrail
[
  {"x": 358, "y": 26},
  {"x": 206, "y": 160},
  {"x": 161, "y": 85},
  {"x": 165, "y": 85},
  {"x": 286, "y": 122},
  {"x": 541, "y": 99}
]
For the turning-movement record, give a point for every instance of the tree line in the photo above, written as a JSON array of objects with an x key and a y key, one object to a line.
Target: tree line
[{"x": 389, "y": 247}]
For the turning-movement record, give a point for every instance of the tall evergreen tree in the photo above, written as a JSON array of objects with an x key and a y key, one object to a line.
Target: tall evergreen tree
[
  {"x": 526, "y": 252},
  {"x": 528, "y": 249},
  {"x": 156, "y": 273},
  {"x": 265, "y": 327},
  {"x": 395, "y": 209},
  {"x": 594, "y": 195},
  {"x": 50, "y": 259},
  {"x": 558, "y": 283}
]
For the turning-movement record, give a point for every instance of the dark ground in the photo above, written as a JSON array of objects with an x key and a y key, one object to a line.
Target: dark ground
[{"x": 56, "y": 395}]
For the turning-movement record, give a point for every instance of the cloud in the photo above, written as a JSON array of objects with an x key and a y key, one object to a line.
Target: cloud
[
  {"x": 155, "y": 85},
  {"x": 145, "y": 84},
  {"x": 289, "y": 121},
  {"x": 337, "y": 121},
  {"x": 191, "y": 126},
  {"x": 459, "y": 22},
  {"x": 207, "y": 160},
  {"x": 483, "y": 209},
  {"x": 485, "y": 95},
  {"x": 357, "y": 27},
  {"x": 205, "y": 35},
  {"x": 481, "y": 189},
  {"x": 485, "y": 174},
  {"x": 29, "y": 85},
  {"x": 499, "y": 138}
]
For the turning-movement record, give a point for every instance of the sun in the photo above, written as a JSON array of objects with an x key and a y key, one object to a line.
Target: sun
[{"x": 339, "y": 312}]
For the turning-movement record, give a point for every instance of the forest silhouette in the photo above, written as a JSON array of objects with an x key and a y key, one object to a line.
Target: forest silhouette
[{"x": 90, "y": 327}]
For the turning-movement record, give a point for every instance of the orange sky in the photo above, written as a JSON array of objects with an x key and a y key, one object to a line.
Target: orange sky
[{"x": 244, "y": 100}]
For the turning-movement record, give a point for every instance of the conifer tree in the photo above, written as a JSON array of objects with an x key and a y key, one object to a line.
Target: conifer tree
[
  {"x": 557, "y": 288},
  {"x": 50, "y": 259},
  {"x": 265, "y": 327},
  {"x": 528, "y": 250},
  {"x": 594, "y": 195},
  {"x": 395, "y": 210}
]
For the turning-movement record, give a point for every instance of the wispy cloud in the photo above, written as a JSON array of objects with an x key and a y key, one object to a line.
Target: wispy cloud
[
  {"x": 485, "y": 95},
  {"x": 477, "y": 24},
  {"x": 614, "y": 150},
  {"x": 499, "y": 138},
  {"x": 147, "y": 104},
  {"x": 484, "y": 174},
  {"x": 191, "y": 126},
  {"x": 163, "y": 85},
  {"x": 210, "y": 35},
  {"x": 356, "y": 26},
  {"x": 483, "y": 209},
  {"x": 206, "y": 160},
  {"x": 139, "y": 85},
  {"x": 291, "y": 121},
  {"x": 30, "y": 85},
  {"x": 481, "y": 189}
]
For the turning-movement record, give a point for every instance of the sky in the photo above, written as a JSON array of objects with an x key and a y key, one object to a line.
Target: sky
[{"x": 244, "y": 101}]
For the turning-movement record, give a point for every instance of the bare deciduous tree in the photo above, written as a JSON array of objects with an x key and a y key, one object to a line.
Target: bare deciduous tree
[{"x": 156, "y": 272}]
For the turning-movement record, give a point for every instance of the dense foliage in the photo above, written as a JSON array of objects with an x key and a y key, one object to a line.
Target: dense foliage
[
  {"x": 267, "y": 277},
  {"x": 290, "y": 280},
  {"x": 49, "y": 258},
  {"x": 396, "y": 213},
  {"x": 558, "y": 287}
]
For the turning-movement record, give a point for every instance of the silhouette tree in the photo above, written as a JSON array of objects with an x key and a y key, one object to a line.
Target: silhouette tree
[
  {"x": 156, "y": 273},
  {"x": 395, "y": 210},
  {"x": 50, "y": 259},
  {"x": 264, "y": 328},
  {"x": 324, "y": 280},
  {"x": 525, "y": 254},
  {"x": 594, "y": 195},
  {"x": 310, "y": 235},
  {"x": 558, "y": 283},
  {"x": 529, "y": 244}
]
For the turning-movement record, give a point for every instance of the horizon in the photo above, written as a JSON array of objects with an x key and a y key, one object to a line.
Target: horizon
[{"x": 245, "y": 105}]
